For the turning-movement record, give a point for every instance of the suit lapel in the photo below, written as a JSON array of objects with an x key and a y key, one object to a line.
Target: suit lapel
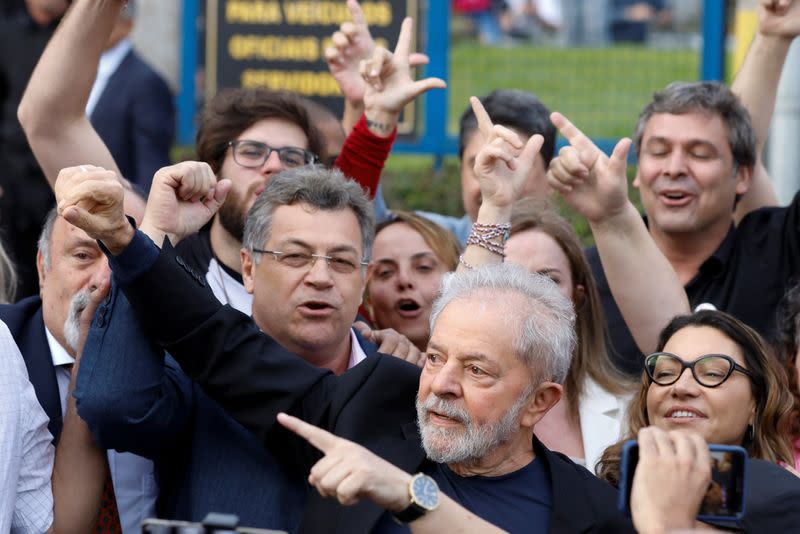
[
  {"x": 116, "y": 84},
  {"x": 42, "y": 374}
]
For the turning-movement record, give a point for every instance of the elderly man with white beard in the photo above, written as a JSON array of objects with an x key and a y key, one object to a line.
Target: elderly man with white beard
[{"x": 46, "y": 329}]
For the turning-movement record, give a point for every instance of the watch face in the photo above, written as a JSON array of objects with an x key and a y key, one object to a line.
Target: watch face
[{"x": 425, "y": 492}]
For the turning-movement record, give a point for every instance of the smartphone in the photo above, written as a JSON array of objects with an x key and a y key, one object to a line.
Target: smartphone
[{"x": 724, "y": 500}]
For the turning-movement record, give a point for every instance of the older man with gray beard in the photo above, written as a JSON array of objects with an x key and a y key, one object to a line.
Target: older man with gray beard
[
  {"x": 46, "y": 328},
  {"x": 72, "y": 326}
]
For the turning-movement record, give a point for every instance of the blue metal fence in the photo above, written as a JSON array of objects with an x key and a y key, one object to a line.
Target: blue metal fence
[{"x": 434, "y": 138}]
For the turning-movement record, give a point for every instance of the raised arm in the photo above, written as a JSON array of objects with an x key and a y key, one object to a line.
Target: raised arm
[
  {"x": 638, "y": 273},
  {"x": 53, "y": 108},
  {"x": 132, "y": 398},
  {"x": 81, "y": 466},
  {"x": 756, "y": 84},
  {"x": 387, "y": 85},
  {"x": 351, "y": 44},
  {"x": 502, "y": 166}
]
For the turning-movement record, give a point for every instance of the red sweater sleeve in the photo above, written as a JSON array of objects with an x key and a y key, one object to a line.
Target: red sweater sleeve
[{"x": 363, "y": 155}]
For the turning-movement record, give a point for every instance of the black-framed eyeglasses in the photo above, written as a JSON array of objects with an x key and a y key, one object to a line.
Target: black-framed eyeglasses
[
  {"x": 341, "y": 263},
  {"x": 711, "y": 370},
  {"x": 253, "y": 154}
]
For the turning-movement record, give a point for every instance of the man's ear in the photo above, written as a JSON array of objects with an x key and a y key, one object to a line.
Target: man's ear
[
  {"x": 40, "y": 270},
  {"x": 248, "y": 268},
  {"x": 744, "y": 178},
  {"x": 367, "y": 277},
  {"x": 544, "y": 397}
]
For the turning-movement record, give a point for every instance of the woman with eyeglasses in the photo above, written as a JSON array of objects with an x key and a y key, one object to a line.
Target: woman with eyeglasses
[{"x": 712, "y": 375}]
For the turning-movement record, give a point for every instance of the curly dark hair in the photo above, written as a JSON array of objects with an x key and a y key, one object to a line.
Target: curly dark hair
[
  {"x": 788, "y": 345},
  {"x": 770, "y": 440}
]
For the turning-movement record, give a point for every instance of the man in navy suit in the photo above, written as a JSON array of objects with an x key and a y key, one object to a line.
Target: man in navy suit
[
  {"x": 305, "y": 243},
  {"x": 131, "y": 107}
]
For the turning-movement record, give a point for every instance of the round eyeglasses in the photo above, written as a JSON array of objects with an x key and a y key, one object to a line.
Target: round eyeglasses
[
  {"x": 711, "y": 370},
  {"x": 253, "y": 154}
]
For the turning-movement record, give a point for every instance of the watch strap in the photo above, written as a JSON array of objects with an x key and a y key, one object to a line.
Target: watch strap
[{"x": 411, "y": 513}]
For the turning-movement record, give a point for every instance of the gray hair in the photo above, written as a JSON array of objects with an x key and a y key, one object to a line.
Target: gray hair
[
  {"x": 544, "y": 334},
  {"x": 708, "y": 97},
  {"x": 46, "y": 235},
  {"x": 320, "y": 188}
]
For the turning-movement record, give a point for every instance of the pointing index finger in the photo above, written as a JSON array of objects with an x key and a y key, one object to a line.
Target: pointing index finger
[
  {"x": 356, "y": 13},
  {"x": 403, "y": 47},
  {"x": 484, "y": 121},
  {"x": 319, "y": 438},
  {"x": 571, "y": 132}
]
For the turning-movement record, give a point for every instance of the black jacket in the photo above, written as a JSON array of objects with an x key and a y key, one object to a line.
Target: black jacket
[{"x": 373, "y": 404}]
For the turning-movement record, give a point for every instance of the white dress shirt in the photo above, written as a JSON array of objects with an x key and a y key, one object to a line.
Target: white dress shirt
[
  {"x": 133, "y": 476},
  {"x": 228, "y": 289},
  {"x": 357, "y": 354},
  {"x": 106, "y": 67},
  {"x": 26, "y": 451}
]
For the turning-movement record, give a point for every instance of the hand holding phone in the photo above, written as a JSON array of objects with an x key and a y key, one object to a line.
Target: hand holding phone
[{"x": 679, "y": 478}]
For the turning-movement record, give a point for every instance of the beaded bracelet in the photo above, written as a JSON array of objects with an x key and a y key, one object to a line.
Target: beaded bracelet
[
  {"x": 483, "y": 234},
  {"x": 463, "y": 262}
]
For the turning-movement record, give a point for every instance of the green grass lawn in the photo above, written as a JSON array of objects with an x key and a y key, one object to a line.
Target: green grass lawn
[{"x": 600, "y": 90}]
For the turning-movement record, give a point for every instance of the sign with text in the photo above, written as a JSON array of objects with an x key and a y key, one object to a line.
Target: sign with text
[{"x": 280, "y": 45}]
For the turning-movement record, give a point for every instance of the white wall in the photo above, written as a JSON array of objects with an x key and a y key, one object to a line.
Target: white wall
[{"x": 157, "y": 36}]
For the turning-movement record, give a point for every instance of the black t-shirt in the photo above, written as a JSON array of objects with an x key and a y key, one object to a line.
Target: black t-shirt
[
  {"x": 517, "y": 502},
  {"x": 746, "y": 277}
]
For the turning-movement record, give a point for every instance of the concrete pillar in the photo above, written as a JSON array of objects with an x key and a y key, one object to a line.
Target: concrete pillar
[{"x": 157, "y": 34}]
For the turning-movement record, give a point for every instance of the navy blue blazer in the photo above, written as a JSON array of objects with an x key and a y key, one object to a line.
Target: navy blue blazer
[
  {"x": 26, "y": 323},
  {"x": 135, "y": 117},
  {"x": 135, "y": 399}
]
